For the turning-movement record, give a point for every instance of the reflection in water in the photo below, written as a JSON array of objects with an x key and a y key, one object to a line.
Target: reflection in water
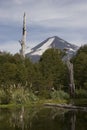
[
  {"x": 73, "y": 120},
  {"x": 70, "y": 120},
  {"x": 42, "y": 119}
]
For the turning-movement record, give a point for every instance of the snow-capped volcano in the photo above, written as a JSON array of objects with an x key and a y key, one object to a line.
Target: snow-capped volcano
[
  {"x": 52, "y": 42},
  {"x": 43, "y": 48}
]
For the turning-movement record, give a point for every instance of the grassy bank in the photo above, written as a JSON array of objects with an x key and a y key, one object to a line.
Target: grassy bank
[
  {"x": 17, "y": 97},
  {"x": 77, "y": 102},
  {"x": 36, "y": 103},
  {"x": 80, "y": 102}
]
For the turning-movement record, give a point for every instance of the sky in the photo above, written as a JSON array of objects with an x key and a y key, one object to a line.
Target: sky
[{"x": 66, "y": 19}]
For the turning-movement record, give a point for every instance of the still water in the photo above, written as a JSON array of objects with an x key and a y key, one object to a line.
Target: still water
[{"x": 42, "y": 119}]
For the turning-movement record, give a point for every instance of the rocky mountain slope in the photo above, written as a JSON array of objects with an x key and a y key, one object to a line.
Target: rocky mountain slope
[{"x": 51, "y": 42}]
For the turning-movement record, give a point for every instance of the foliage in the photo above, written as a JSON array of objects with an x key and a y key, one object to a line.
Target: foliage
[
  {"x": 53, "y": 69},
  {"x": 80, "y": 101},
  {"x": 4, "y": 97},
  {"x": 13, "y": 70},
  {"x": 17, "y": 96},
  {"x": 21, "y": 96},
  {"x": 40, "y": 78},
  {"x": 80, "y": 68},
  {"x": 21, "y": 81},
  {"x": 58, "y": 95},
  {"x": 81, "y": 93}
]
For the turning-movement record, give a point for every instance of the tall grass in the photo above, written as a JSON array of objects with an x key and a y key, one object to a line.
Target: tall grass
[
  {"x": 17, "y": 96},
  {"x": 4, "y": 97}
]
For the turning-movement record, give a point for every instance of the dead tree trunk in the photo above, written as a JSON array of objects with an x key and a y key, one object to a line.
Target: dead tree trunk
[
  {"x": 23, "y": 41},
  {"x": 71, "y": 79}
]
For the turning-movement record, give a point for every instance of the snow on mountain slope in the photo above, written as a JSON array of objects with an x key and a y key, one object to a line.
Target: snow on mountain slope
[
  {"x": 52, "y": 42},
  {"x": 44, "y": 47}
]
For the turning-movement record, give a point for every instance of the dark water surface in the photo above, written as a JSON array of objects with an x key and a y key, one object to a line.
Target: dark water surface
[{"x": 42, "y": 119}]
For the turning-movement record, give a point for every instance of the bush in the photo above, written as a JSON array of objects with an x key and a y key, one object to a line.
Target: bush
[
  {"x": 85, "y": 85},
  {"x": 81, "y": 93},
  {"x": 21, "y": 96},
  {"x": 59, "y": 95},
  {"x": 4, "y": 97}
]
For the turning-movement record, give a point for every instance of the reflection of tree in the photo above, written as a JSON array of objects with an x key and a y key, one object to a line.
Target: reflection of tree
[
  {"x": 69, "y": 120},
  {"x": 31, "y": 118},
  {"x": 48, "y": 119},
  {"x": 73, "y": 120},
  {"x": 22, "y": 117},
  {"x": 42, "y": 119}
]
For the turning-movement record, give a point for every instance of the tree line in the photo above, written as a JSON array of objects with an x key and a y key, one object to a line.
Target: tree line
[{"x": 49, "y": 74}]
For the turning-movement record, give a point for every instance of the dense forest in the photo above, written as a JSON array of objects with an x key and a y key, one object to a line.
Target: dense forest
[{"x": 22, "y": 81}]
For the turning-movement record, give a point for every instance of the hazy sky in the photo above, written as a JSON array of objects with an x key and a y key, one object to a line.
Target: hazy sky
[{"x": 45, "y": 18}]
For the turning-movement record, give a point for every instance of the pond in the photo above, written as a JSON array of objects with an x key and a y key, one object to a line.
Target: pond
[{"x": 42, "y": 118}]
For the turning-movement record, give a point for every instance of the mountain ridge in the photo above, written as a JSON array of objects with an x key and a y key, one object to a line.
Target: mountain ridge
[{"x": 51, "y": 42}]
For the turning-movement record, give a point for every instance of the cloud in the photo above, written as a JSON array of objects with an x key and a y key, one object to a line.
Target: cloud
[
  {"x": 11, "y": 46},
  {"x": 43, "y": 10},
  {"x": 65, "y": 18}
]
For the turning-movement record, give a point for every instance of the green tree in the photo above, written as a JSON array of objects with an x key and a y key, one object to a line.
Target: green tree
[
  {"x": 12, "y": 70},
  {"x": 80, "y": 67},
  {"x": 53, "y": 69},
  {"x": 8, "y": 73}
]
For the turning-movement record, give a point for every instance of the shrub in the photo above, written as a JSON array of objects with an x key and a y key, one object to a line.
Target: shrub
[
  {"x": 59, "y": 95},
  {"x": 85, "y": 85},
  {"x": 81, "y": 93},
  {"x": 4, "y": 97},
  {"x": 21, "y": 96}
]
